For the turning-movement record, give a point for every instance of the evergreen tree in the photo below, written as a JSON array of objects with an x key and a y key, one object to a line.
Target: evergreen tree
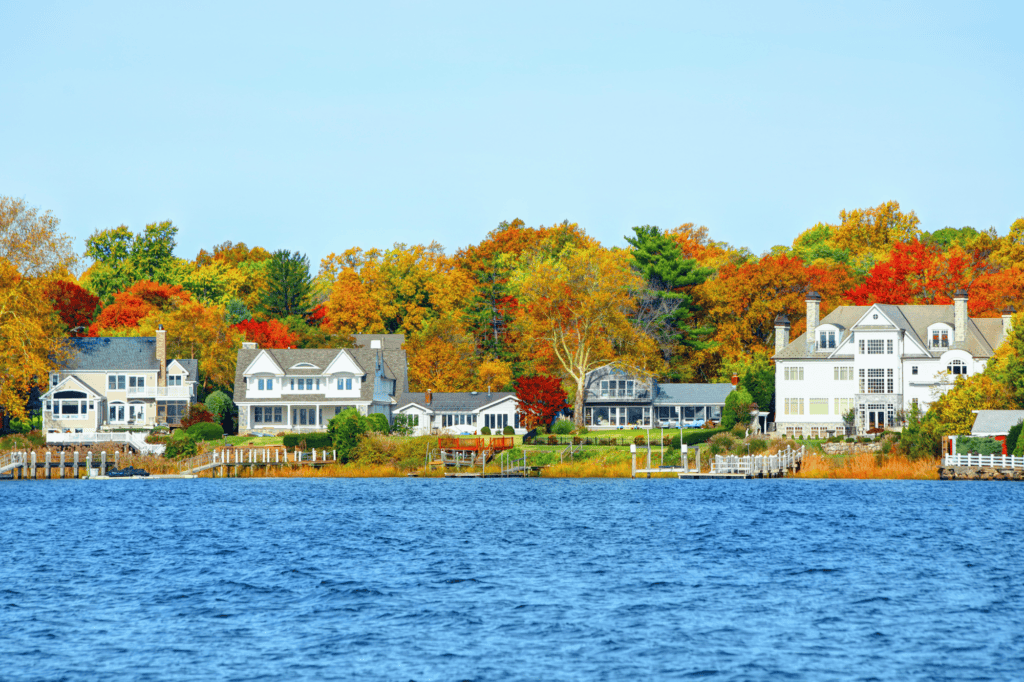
[
  {"x": 289, "y": 288},
  {"x": 671, "y": 278}
]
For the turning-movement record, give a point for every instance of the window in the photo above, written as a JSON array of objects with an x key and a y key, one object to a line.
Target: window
[
  {"x": 116, "y": 413},
  {"x": 793, "y": 373},
  {"x": 818, "y": 406},
  {"x": 116, "y": 382},
  {"x": 794, "y": 431},
  {"x": 794, "y": 405},
  {"x": 888, "y": 347},
  {"x": 940, "y": 338},
  {"x": 843, "y": 373},
  {"x": 843, "y": 405},
  {"x": 828, "y": 339},
  {"x": 136, "y": 382},
  {"x": 54, "y": 379},
  {"x": 344, "y": 384},
  {"x": 875, "y": 346},
  {"x": 876, "y": 381},
  {"x": 862, "y": 346},
  {"x": 957, "y": 367},
  {"x": 259, "y": 386},
  {"x": 888, "y": 381},
  {"x": 913, "y": 370},
  {"x": 861, "y": 372},
  {"x": 174, "y": 380}
]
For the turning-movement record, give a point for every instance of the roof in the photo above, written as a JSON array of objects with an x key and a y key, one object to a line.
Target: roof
[
  {"x": 394, "y": 368},
  {"x": 104, "y": 354},
  {"x": 465, "y": 401},
  {"x": 387, "y": 341},
  {"x": 996, "y": 422},
  {"x": 191, "y": 366},
  {"x": 983, "y": 334},
  {"x": 692, "y": 394}
]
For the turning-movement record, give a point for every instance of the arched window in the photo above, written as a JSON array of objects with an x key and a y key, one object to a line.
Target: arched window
[
  {"x": 68, "y": 395},
  {"x": 957, "y": 367}
]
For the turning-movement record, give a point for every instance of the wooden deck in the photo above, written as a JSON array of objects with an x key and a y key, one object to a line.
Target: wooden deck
[{"x": 492, "y": 444}]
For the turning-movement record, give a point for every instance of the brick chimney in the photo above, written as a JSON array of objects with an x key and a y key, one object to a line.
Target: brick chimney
[
  {"x": 430, "y": 394},
  {"x": 1008, "y": 312},
  {"x": 735, "y": 379},
  {"x": 161, "y": 356},
  {"x": 813, "y": 313},
  {"x": 960, "y": 316},
  {"x": 250, "y": 345},
  {"x": 781, "y": 333}
]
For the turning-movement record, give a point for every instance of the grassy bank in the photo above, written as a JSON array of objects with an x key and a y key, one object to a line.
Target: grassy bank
[{"x": 866, "y": 465}]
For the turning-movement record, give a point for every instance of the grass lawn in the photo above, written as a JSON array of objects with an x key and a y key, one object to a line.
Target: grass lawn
[{"x": 251, "y": 440}]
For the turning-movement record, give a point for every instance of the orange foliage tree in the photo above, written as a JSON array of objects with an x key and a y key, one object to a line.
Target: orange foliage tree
[
  {"x": 75, "y": 306},
  {"x": 269, "y": 334}
]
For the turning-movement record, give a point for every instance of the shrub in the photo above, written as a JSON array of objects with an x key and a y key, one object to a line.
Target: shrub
[
  {"x": 981, "y": 445},
  {"x": 640, "y": 440},
  {"x": 219, "y": 404},
  {"x": 205, "y": 431},
  {"x": 402, "y": 425},
  {"x": 378, "y": 423},
  {"x": 321, "y": 440},
  {"x": 1013, "y": 437},
  {"x": 737, "y": 407},
  {"x": 562, "y": 427},
  {"x": 720, "y": 442},
  {"x": 739, "y": 431},
  {"x": 509, "y": 431},
  {"x": 345, "y": 428},
  {"x": 485, "y": 431},
  {"x": 552, "y": 440},
  {"x": 182, "y": 445},
  {"x": 576, "y": 440},
  {"x": 696, "y": 436},
  {"x": 197, "y": 412},
  {"x": 757, "y": 445}
]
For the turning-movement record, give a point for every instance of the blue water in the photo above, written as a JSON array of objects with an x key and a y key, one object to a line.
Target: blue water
[{"x": 413, "y": 579}]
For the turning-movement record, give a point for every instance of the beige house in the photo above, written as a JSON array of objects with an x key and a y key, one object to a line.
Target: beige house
[{"x": 116, "y": 383}]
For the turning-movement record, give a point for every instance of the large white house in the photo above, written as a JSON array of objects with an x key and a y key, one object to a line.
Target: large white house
[
  {"x": 300, "y": 389},
  {"x": 877, "y": 360}
]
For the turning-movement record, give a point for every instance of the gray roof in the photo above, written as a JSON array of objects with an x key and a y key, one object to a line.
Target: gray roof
[
  {"x": 191, "y": 366},
  {"x": 104, "y": 354},
  {"x": 394, "y": 368},
  {"x": 692, "y": 394},
  {"x": 388, "y": 341},
  {"x": 983, "y": 334},
  {"x": 466, "y": 401},
  {"x": 996, "y": 422}
]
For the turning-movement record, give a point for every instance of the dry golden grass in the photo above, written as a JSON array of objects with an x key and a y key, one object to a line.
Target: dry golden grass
[
  {"x": 865, "y": 465},
  {"x": 588, "y": 469}
]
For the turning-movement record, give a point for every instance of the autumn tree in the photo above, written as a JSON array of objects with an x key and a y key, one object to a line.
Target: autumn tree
[
  {"x": 540, "y": 399},
  {"x": 122, "y": 258},
  {"x": 75, "y": 306},
  {"x": 578, "y": 308},
  {"x": 130, "y": 307},
  {"x": 493, "y": 374},
  {"x": 442, "y": 356},
  {"x": 289, "y": 286},
  {"x": 197, "y": 331},
  {"x": 268, "y": 334},
  {"x": 31, "y": 242}
]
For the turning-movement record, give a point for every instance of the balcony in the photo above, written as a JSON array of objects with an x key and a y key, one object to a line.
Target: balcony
[{"x": 166, "y": 392}]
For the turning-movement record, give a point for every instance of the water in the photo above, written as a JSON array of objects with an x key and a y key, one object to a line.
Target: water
[{"x": 508, "y": 579}]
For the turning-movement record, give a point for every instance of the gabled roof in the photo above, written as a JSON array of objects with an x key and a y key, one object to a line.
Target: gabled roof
[
  {"x": 71, "y": 384},
  {"x": 465, "y": 401},
  {"x": 109, "y": 354},
  {"x": 693, "y": 394},
  {"x": 365, "y": 358},
  {"x": 983, "y": 334},
  {"x": 996, "y": 422}
]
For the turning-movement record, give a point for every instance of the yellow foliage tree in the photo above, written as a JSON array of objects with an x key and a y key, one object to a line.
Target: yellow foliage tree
[
  {"x": 576, "y": 307},
  {"x": 493, "y": 374},
  {"x": 31, "y": 242},
  {"x": 442, "y": 356}
]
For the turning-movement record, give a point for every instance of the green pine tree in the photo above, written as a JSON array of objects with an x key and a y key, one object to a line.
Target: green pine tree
[{"x": 289, "y": 285}]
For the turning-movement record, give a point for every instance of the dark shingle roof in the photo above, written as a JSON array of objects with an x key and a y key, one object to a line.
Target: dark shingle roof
[
  {"x": 103, "y": 354},
  {"x": 464, "y": 401},
  {"x": 692, "y": 394}
]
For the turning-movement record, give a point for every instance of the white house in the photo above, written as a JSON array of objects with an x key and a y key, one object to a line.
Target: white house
[
  {"x": 115, "y": 383},
  {"x": 460, "y": 413},
  {"x": 301, "y": 389},
  {"x": 877, "y": 360}
]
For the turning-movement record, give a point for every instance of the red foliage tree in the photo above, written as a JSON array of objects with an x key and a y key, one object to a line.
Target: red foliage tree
[
  {"x": 134, "y": 303},
  {"x": 75, "y": 306},
  {"x": 269, "y": 334},
  {"x": 197, "y": 412},
  {"x": 317, "y": 316},
  {"x": 540, "y": 399}
]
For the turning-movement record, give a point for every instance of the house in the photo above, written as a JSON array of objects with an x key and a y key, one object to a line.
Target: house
[
  {"x": 617, "y": 399},
  {"x": 461, "y": 412},
  {"x": 112, "y": 383},
  {"x": 996, "y": 424},
  {"x": 301, "y": 389},
  {"x": 878, "y": 361}
]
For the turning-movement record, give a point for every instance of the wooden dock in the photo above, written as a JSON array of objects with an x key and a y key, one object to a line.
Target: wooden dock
[
  {"x": 62, "y": 464},
  {"x": 730, "y": 466}
]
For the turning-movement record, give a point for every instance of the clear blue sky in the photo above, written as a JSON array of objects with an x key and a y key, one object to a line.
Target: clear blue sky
[{"x": 320, "y": 126}]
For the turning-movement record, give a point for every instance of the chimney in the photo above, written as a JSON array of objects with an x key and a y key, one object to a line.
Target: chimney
[
  {"x": 960, "y": 316},
  {"x": 250, "y": 345},
  {"x": 488, "y": 390},
  {"x": 1008, "y": 312},
  {"x": 735, "y": 379},
  {"x": 430, "y": 394},
  {"x": 161, "y": 356},
  {"x": 781, "y": 333},
  {"x": 813, "y": 312}
]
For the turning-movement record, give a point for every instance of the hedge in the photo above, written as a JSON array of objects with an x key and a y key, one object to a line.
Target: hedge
[
  {"x": 611, "y": 438},
  {"x": 206, "y": 431},
  {"x": 698, "y": 436},
  {"x": 318, "y": 439}
]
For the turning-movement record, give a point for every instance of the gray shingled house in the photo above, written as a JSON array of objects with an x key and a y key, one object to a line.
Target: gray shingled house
[
  {"x": 115, "y": 383},
  {"x": 301, "y": 389}
]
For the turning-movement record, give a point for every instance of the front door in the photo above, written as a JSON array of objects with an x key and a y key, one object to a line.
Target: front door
[{"x": 876, "y": 419}]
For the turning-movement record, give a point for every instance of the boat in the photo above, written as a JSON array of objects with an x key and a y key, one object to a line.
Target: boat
[{"x": 126, "y": 472}]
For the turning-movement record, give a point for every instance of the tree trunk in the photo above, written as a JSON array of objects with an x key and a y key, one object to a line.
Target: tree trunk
[{"x": 577, "y": 417}]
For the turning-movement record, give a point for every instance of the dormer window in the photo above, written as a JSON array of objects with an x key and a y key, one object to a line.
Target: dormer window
[
  {"x": 940, "y": 338},
  {"x": 957, "y": 367},
  {"x": 827, "y": 339}
]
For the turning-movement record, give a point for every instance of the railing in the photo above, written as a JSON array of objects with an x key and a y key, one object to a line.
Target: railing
[
  {"x": 253, "y": 456},
  {"x": 492, "y": 443},
  {"x": 758, "y": 465},
  {"x": 136, "y": 440},
  {"x": 160, "y": 391},
  {"x": 979, "y": 460}
]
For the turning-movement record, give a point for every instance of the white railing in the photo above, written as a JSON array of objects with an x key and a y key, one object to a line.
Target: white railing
[
  {"x": 758, "y": 465},
  {"x": 136, "y": 440},
  {"x": 978, "y": 460},
  {"x": 160, "y": 392}
]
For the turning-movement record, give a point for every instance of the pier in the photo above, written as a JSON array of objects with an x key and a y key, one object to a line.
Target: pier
[
  {"x": 62, "y": 464},
  {"x": 231, "y": 461},
  {"x": 729, "y": 466}
]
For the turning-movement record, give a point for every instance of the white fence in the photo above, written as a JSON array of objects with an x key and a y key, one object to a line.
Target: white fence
[
  {"x": 758, "y": 465},
  {"x": 136, "y": 440},
  {"x": 976, "y": 460}
]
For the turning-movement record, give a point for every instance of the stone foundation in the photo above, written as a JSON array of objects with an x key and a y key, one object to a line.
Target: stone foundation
[{"x": 980, "y": 474}]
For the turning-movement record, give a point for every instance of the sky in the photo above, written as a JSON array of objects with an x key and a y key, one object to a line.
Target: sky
[{"x": 321, "y": 126}]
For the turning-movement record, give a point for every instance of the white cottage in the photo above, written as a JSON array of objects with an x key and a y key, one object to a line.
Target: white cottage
[{"x": 464, "y": 412}]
